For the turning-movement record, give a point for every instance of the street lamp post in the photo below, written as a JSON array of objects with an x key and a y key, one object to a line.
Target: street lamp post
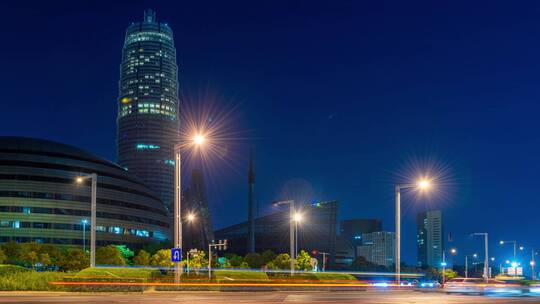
[
  {"x": 291, "y": 230},
  {"x": 80, "y": 179},
  {"x": 486, "y": 257},
  {"x": 453, "y": 251},
  {"x": 515, "y": 245},
  {"x": 422, "y": 184},
  {"x": 177, "y": 207},
  {"x": 532, "y": 263},
  {"x": 198, "y": 140},
  {"x": 297, "y": 219},
  {"x": 467, "y": 264}
]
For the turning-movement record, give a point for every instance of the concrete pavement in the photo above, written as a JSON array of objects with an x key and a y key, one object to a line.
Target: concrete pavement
[{"x": 344, "y": 297}]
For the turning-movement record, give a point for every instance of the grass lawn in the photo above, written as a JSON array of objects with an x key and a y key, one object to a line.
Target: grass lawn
[
  {"x": 16, "y": 278},
  {"x": 239, "y": 275},
  {"x": 119, "y": 273}
]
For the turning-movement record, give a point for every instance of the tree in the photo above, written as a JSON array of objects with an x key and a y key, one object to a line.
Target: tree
[
  {"x": 142, "y": 258},
  {"x": 30, "y": 257},
  {"x": 73, "y": 260},
  {"x": 109, "y": 255},
  {"x": 254, "y": 260},
  {"x": 197, "y": 261},
  {"x": 282, "y": 261},
  {"x": 126, "y": 253},
  {"x": 152, "y": 248},
  {"x": 303, "y": 261},
  {"x": 3, "y": 256},
  {"x": 449, "y": 274},
  {"x": 13, "y": 252},
  {"x": 162, "y": 258},
  {"x": 268, "y": 256},
  {"x": 44, "y": 259},
  {"x": 52, "y": 251},
  {"x": 236, "y": 260}
]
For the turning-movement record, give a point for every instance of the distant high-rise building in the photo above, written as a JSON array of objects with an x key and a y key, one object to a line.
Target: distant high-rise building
[
  {"x": 317, "y": 232},
  {"x": 430, "y": 238},
  {"x": 352, "y": 230},
  {"x": 148, "y": 125},
  {"x": 196, "y": 234},
  {"x": 378, "y": 247}
]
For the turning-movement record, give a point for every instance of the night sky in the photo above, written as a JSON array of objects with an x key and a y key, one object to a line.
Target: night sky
[{"x": 340, "y": 100}]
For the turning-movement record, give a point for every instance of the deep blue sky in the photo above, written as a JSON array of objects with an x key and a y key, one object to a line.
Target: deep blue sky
[{"x": 340, "y": 99}]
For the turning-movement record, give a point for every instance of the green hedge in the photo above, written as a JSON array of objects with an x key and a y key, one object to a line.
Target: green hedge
[{"x": 312, "y": 276}]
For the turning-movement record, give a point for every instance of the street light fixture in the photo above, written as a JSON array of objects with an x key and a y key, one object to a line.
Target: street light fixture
[
  {"x": 292, "y": 230},
  {"x": 297, "y": 219},
  {"x": 514, "y": 242},
  {"x": 422, "y": 184},
  {"x": 474, "y": 255},
  {"x": 93, "y": 177},
  {"x": 197, "y": 140}
]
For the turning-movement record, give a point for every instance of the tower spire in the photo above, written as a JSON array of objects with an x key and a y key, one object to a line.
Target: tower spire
[
  {"x": 251, "y": 208},
  {"x": 149, "y": 16}
]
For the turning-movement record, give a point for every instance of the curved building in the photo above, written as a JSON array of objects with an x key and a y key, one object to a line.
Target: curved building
[
  {"x": 41, "y": 202},
  {"x": 148, "y": 124}
]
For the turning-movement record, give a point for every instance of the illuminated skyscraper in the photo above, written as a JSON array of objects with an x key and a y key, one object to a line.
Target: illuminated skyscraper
[
  {"x": 148, "y": 105},
  {"x": 430, "y": 238}
]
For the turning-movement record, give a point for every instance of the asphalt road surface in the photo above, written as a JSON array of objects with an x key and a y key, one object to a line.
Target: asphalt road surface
[{"x": 260, "y": 297}]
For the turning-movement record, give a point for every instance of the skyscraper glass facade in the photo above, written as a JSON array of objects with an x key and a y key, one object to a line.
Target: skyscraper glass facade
[
  {"x": 430, "y": 240},
  {"x": 148, "y": 105}
]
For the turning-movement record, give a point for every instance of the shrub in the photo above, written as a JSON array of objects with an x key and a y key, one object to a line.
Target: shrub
[
  {"x": 282, "y": 261},
  {"x": 142, "y": 258},
  {"x": 162, "y": 258},
  {"x": 254, "y": 260},
  {"x": 3, "y": 257},
  {"x": 303, "y": 261},
  {"x": 109, "y": 255},
  {"x": 73, "y": 260}
]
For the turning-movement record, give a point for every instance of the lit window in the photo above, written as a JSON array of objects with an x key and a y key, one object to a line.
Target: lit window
[
  {"x": 147, "y": 147},
  {"x": 143, "y": 233}
]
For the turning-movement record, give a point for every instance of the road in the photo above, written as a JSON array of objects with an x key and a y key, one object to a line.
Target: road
[{"x": 260, "y": 297}]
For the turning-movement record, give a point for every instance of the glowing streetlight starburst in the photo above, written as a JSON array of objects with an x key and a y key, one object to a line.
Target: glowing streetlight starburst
[
  {"x": 424, "y": 184},
  {"x": 199, "y": 139},
  {"x": 298, "y": 217}
]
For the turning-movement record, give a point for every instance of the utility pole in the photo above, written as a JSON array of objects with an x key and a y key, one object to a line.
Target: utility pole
[
  {"x": 324, "y": 254},
  {"x": 220, "y": 245},
  {"x": 486, "y": 258},
  {"x": 466, "y": 266}
]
